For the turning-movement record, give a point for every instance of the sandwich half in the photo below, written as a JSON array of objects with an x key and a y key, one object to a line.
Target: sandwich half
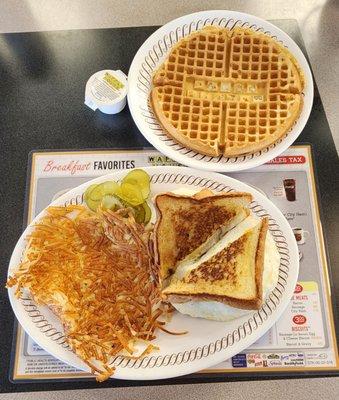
[
  {"x": 189, "y": 225},
  {"x": 231, "y": 272}
]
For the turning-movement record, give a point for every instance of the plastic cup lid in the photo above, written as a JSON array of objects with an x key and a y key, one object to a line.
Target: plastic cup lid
[{"x": 106, "y": 90}]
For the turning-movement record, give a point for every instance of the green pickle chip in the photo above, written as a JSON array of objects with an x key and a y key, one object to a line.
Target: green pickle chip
[
  {"x": 140, "y": 178},
  {"x": 103, "y": 189},
  {"x": 142, "y": 213},
  {"x": 130, "y": 193},
  {"x": 133, "y": 191},
  {"x": 139, "y": 214},
  {"x": 148, "y": 213},
  {"x": 92, "y": 205},
  {"x": 88, "y": 191},
  {"x": 110, "y": 202}
]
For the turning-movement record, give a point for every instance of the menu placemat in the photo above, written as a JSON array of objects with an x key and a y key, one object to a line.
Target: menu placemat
[{"x": 303, "y": 338}]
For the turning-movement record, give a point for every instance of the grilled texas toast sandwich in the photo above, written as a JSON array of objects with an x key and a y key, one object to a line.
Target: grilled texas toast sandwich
[
  {"x": 188, "y": 226},
  {"x": 230, "y": 272}
]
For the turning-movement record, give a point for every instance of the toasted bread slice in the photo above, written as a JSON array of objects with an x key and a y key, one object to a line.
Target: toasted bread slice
[
  {"x": 188, "y": 226},
  {"x": 231, "y": 272}
]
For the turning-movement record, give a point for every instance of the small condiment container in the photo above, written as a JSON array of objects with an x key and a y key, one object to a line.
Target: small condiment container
[{"x": 106, "y": 90}]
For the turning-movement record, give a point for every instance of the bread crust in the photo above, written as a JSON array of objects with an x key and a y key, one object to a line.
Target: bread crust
[
  {"x": 205, "y": 198},
  {"x": 259, "y": 260}
]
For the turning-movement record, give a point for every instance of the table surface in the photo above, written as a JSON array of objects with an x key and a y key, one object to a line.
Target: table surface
[
  {"x": 317, "y": 19},
  {"x": 29, "y": 62}
]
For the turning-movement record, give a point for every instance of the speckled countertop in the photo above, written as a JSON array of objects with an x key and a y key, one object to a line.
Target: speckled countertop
[{"x": 318, "y": 22}]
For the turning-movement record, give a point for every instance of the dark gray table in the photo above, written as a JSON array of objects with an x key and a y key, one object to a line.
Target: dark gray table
[{"x": 42, "y": 83}]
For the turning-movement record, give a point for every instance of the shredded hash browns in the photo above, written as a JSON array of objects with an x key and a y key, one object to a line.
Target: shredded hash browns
[{"x": 95, "y": 271}]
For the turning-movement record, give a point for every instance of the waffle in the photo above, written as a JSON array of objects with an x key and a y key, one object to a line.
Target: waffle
[{"x": 227, "y": 92}]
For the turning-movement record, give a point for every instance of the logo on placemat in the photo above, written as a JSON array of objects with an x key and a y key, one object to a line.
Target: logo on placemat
[{"x": 161, "y": 160}]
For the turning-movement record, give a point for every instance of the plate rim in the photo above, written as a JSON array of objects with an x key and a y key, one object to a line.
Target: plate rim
[
  {"x": 183, "y": 368},
  {"x": 268, "y": 152}
]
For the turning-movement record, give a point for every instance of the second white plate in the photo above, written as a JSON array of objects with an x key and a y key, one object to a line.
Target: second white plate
[{"x": 153, "y": 52}]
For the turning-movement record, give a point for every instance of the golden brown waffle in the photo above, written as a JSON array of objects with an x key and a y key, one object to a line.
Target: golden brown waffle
[{"x": 223, "y": 92}]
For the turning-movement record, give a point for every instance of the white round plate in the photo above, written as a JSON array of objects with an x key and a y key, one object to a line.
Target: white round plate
[
  {"x": 151, "y": 55},
  {"x": 207, "y": 342}
]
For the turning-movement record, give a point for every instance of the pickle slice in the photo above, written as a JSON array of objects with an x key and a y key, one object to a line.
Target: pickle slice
[
  {"x": 130, "y": 193},
  {"x": 139, "y": 214},
  {"x": 141, "y": 178},
  {"x": 142, "y": 213},
  {"x": 88, "y": 191},
  {"x": 133, "y": 191},
  {"x": 148, "y": 212},
  {"x": 111, "y": 203},
  {"x": 92, "y": 205},
  {"x": 103, "y": 189}
]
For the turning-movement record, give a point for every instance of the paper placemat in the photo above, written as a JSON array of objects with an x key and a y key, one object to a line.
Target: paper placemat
[{"x": 303, "y": 338}]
